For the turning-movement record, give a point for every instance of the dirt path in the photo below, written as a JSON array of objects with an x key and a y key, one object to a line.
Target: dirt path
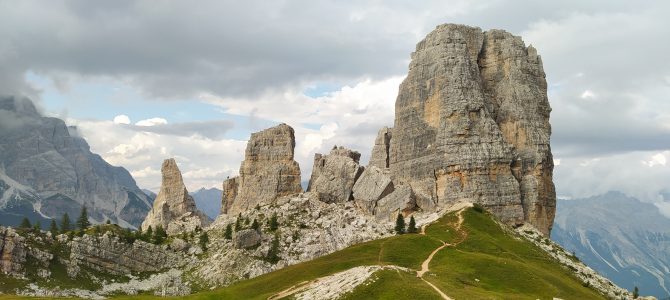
[
  {"x": 292, "y": 290},
  {"x": 426, "y": 263}
]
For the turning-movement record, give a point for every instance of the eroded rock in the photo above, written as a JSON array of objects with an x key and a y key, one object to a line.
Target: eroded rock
[
  {"x": 334, "y": 175},
  {"x": 373, "y": 185},
  {"x": 174, "y": 209},
  {"x": 267, "y": 172},
  {"x": 247, "y": 238}
]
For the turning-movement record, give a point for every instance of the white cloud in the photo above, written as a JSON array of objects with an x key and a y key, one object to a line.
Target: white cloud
[
  {"x": 658, "y": 159},
  {"x": 143, "y": 153},
  {"x": 121, "y": 119},
  {"x": 587, "y": 95},
  {"x": 152, "y": 122},
  {"x": 557, "y": 162}
]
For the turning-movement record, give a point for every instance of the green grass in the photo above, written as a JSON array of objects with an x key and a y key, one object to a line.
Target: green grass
[{"x": 489, "y": 264}]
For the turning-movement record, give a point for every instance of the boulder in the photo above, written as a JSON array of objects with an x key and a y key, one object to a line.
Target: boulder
[
  {"x": 12, "y": 252},
  {"x": 333, "y": 175},
  {"x": 267, "y": 172},
  {"x": 373, "y": 185},
  {"x": 401, "y": 200},
  {"x": 246, "y": 239},
  {"x": 174, "y": 209}
]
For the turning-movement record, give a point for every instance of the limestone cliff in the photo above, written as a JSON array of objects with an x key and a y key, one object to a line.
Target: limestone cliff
[
  {"x": 472, "y": 123},
  {"x": 267, "y": 172},
  {"x": 174, "y": 209}
]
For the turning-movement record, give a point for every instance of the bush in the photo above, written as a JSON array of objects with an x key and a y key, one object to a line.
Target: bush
[{"x": 273, "y": 253}]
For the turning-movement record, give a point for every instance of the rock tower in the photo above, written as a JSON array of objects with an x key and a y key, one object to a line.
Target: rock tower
[
  {"x": 174, "y": 209},
  {"x": 472, "y": 123}
]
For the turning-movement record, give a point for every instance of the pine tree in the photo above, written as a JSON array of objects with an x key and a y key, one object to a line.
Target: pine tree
[
  {"x": 400, "y": 224},
  {"x": 255, "y": 225},
  {"x": 274, "y": 224},
  {"x": 204, "y": 239},
  {"x": 108, "y": 222},
  {"x": 636, "y": 293},
  {"x": 273, "y": 253},
  {"x": 246, "y": 220},
  {"x": 53, "y": 228},
  {"x": 37, "y": 226},
  {"x": 159, "y": 235},
  {"x": 411, "y": 228},
  {"x": 25, "y": 223},
  {"x": 229, "y": 232},
  {"x": 65, "y": 224},
  {"x": 149, "y": 235},
  {"x": 83, "y": 222}
]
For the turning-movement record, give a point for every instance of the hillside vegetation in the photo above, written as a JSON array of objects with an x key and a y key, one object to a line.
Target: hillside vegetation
[{"x": 481, "y": 260}]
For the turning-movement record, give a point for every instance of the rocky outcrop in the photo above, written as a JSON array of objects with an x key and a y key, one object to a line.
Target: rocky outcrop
[
  {"x": 334, "y": 175},
  {"x": 109, "y": 254},
  {"x": 56, "y": 163},
  {"x": 380, "y": 151},
  {"x": 401, "y": 201},
  {"x": 472, "y": 124},
  {"x": 373, "y": 185},
  {"x": 12, "y": 252},
  {"x": 267, "y": 172},
  {"x": 174, "y": 209},
  {"x": 247, "y": 238},
  {"x": 230, "y": 186}
]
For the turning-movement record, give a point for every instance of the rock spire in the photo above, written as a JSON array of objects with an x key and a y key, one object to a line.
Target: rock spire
[{"x": 174, "y": 209}]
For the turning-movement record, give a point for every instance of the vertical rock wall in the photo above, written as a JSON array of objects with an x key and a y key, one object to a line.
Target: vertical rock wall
[{"x": 472, "y": 123}]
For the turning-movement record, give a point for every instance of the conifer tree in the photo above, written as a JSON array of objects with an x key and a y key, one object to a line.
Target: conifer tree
[
  {"x": 25, "y": 223},
  {"x": 37, "y": 226},
  {"x": 273, "y": 253},
  {"x": 255, "y": 225},
  {"x": 53, "y": 228},
  {"x": 636, "y": 293},
  {"x": 411, "y": 227},
  {"x": 65, "y": 223},
  {"x": 159, "y": 235},
  {"x": 274, "y": 224},
  {"x": 229, "y": 232},
  {"x": 204, "y": 239},
  {"x": 149, "y": 235},
  {"x": 400, "y": 224},
  {"x": 83, "y": 222}
]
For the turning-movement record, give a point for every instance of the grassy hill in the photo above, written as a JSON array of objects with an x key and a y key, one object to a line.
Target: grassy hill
[{"x": 481, "y": 261}]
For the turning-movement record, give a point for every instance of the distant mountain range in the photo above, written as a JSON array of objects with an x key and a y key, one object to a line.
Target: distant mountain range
[
  {"x": 621, "y": 237},
  {"x": 208, "y": 201},
  {"x": 47, "y": 169}
]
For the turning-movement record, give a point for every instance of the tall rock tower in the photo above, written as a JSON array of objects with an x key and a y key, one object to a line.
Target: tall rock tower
[
  {"x": 174, "y": 209},
  {"x": 472, "y": 123}
]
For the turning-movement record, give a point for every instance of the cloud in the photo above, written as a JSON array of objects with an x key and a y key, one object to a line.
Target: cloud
[
  {"x": 151, "y": 122},
  {"x": 142, "y": 153},
  {"x": 121, "y": 119}
]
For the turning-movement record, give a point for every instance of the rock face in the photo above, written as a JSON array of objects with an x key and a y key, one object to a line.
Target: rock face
[
  {"x": 380, "y": 151},
  {"x": 267, "y": 172},
  {"x": 50, "y": 159},
  {"x": 12, "y": 251},
  {"x": 472, "y": 123},
  {"x": 110, "y": 255},
  {"x": 174, "y": 209},
  {"x": 334, "y": 175}
]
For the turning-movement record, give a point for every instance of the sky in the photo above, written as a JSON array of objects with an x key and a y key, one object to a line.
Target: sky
[{"x": 148, "y": 80}]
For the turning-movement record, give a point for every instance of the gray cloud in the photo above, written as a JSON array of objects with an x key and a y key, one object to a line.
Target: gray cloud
[{"x": 214, "y": 130}]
